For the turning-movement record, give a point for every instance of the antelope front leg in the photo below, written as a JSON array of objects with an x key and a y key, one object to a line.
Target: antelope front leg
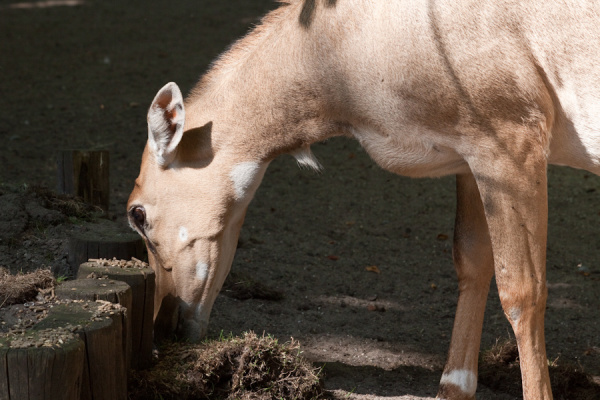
[
  {"x": 513, "y": 188},
  {"x": 474, "y": 265}
]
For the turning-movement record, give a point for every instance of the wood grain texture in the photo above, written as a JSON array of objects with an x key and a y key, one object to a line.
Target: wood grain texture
[
  {"x": 85, "y": 174},
  {"x": 142, "y": 283},
  {"x": 114, "y": 291},
  {"x": 42, "y": 373}
]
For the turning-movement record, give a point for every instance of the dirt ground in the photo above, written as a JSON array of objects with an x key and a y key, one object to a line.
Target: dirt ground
[{"x": 81, "y": 74}]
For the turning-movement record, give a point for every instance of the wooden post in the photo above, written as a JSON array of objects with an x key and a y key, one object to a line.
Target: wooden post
[
  {"x": 101, "y": 328},
  {"x": 85, "y": 174},
  {"x": 114, "y": 291},
  {"x": 75, "y": 353},
  {"x": 104, "y": 239},
  {"x": 37, "y": 373},
  {"x": 142, "y": 285}
]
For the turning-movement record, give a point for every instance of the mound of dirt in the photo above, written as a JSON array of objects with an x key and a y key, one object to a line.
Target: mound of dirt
[
  {"x": 242, "y": 287},
  {"x": 35, "y": 224},
  {"x": 23, "y": 208},
  {"x": 22, "y": 288},
  {"x": 499, "y": 369},
  {"x": 68, "y": 205},
  {"x": 247, "y": 367}
]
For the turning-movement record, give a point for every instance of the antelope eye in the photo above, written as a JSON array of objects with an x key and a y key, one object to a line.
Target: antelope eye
[{"x": 138, "y": 215}]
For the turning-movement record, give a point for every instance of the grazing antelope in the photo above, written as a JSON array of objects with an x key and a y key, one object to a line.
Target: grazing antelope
[{"x": 489, "y": 90}]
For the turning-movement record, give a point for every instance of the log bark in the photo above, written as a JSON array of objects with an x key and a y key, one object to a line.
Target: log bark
[
  {"x": 85, "y": 174},
  {"x": 75, "y": 352},
  {"x": 42, "y": 373},
  {"x": 114, "y": 291},
  {"x": 142, "y": 285},
  {"x": 104, "y": 372}
]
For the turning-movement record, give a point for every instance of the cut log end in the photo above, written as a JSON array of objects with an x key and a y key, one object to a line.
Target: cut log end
[
  {"x": 141, "y": 281},
  {"x": 113, "y": 291},
  {"x": 75, "y": 352},
  {"x": 104, "y": 239}
]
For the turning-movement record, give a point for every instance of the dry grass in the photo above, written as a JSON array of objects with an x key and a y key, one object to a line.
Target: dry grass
[
  {"x": 69, "y": 205},
  {"x": 244, "y": 368},
  {"x": 499, "y": 370},
  {"x": 21, "y": 288}
]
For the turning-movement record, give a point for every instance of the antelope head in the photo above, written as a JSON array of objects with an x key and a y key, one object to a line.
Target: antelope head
[{"x": 189, "y": 204}]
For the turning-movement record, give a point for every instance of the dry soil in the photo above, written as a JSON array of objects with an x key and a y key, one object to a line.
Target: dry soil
[{"x": 81, "y": 74}]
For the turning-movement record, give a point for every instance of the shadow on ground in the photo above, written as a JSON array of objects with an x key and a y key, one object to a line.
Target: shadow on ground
[{"x": 362, "y": 379}]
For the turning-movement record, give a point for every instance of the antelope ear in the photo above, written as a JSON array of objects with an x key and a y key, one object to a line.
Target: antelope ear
[{"x": 165, "y": 123}]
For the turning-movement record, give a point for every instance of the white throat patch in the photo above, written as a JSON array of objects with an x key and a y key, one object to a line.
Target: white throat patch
[
  {"x": 201, "y": 271},
  {"x": 243, "y": 176}
]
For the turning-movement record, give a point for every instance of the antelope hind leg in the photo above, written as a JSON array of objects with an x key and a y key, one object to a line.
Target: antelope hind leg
[{"x": 474, "y": 265}]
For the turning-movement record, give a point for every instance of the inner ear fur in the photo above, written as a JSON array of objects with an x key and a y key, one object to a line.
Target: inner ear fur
[{"x": 166, "y": 118}]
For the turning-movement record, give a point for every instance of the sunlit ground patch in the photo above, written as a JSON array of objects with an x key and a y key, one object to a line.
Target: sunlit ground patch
[
  {"x": 45, "y": 4},
  {"x": 499, "y": 370}
]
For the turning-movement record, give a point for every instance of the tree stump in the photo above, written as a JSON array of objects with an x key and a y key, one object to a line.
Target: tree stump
[
  {"x": 141, "y": 279},
  {"x": 103, "y": 239},
  {"x": 85, "y": 174},
  {"x": 54, "y": 371},
  {"x": 100, "y": 325},
  {"x": 114, "y": 291}
]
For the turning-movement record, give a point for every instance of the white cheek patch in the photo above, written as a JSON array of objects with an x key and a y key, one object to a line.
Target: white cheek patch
[
  {"x": 183, "y": 234},
  {"x": 464, "y": 379},
  {"x": 243, "y": 175},
  {"x": 201, "y": 271}
]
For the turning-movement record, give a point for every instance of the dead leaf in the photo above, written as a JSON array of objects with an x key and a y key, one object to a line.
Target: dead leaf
[
  {"x": 442, "y": 237},
  {"x": 333, "y": 258},
  {"x": 373, "y": 268}
]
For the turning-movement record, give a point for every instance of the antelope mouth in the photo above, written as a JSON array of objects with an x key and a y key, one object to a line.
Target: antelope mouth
[{"x": 179, "y": 320}]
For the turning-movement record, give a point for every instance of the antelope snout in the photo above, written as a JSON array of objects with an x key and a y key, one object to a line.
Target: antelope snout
[
  {"x": 192, "y": 330},
  {"x": 192, "y": 322},
  {"x": 178, "y": 319}
]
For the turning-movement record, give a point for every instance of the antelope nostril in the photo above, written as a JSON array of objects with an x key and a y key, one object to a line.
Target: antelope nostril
[
  {"x": 193, "y": 331},
  {"x": 192, "y": 321}
]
